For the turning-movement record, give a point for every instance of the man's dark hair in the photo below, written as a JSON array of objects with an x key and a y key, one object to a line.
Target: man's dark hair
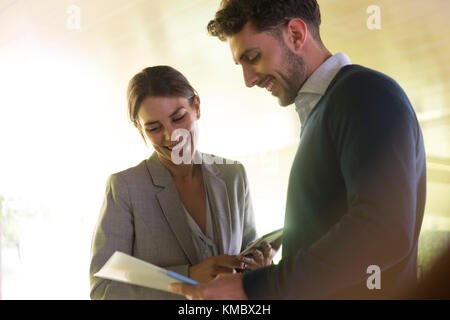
[{"x": 265, "y": 15}]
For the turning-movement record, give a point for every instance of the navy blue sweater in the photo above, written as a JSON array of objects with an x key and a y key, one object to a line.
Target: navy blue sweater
[{"x": 356, "y": 196}]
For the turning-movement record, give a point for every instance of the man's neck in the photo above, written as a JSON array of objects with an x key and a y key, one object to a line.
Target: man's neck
[{"x": 318, "y": 55}]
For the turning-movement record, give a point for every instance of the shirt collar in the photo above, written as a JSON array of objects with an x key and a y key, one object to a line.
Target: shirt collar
[
  {"x": 319, "y": 81},
  {"x": 316, "y": 85}
]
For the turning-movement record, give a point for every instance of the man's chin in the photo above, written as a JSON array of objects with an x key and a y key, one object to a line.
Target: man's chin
[
  {"x": 285, "y": 98},
  {"x": 284, "y": 102}
]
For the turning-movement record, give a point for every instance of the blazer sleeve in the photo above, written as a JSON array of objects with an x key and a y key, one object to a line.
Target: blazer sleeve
[
  {"x": 376, "y": 136},
  {"x": 249, "y": 230},
  {"x": 115, "y": 232}
]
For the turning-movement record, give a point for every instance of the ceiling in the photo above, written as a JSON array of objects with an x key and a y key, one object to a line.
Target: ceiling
[{"x": 117, "y": 38}]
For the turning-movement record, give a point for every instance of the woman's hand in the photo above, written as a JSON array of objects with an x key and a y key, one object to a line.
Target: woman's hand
[
  {"x": 259, "y": 258},
  {"x": 209, "y": 268}
]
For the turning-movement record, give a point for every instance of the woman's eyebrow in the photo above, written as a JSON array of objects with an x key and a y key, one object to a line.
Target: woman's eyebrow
[
  {"x": 149, "y": 123},
  {"x": 175, "y": 112}
]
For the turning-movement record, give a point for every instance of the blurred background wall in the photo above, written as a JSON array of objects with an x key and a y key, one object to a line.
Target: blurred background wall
[{"x": 64, "y": 69}]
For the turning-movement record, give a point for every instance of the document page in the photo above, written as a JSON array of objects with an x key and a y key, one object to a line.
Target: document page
[{"x": 125, "y": 268}]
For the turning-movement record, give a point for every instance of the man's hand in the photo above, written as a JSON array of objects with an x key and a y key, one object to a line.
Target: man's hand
[
  {"x": 223, "y": 287},
  {"x": 259, "y": 258}
]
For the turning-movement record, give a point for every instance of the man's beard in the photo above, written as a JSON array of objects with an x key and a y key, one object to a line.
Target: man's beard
[{"x": 294, "y": 76}]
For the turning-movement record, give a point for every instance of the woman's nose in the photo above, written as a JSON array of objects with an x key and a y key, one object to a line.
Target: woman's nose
[{"x": 167, "y": 132}]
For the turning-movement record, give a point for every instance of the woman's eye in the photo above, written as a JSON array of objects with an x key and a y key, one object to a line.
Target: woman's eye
[
  {"x": 155, "y": 129},
  {"x": 179, "y": 118}
]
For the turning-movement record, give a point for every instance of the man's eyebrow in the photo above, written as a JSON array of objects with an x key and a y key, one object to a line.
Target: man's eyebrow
[{"x": 154, "y": 122}]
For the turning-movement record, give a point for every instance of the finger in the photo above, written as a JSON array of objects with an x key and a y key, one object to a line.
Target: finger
[
  {"x": 177, "y": 288},
  {"x": 252, "y": 263},
  {"x": 273, "y": 253},
  {"x": 245, "y": 260},
  {"x": 223, "y": 274},
  {"x": 276, "y": 244},
  {"x": 265, "y": 247},
  {"x": 253, "y": 266},
  {"x": 229, "y": 262},
  {"x": 257, "y": 260},
  {"x": 248, "y": 260},
  {"x": 257, "y": 254},
  {"x": 182, "y": 288},
  {"x": 218, "y": 270}
]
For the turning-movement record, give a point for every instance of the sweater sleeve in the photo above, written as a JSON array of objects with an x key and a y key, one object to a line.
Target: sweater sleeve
[{"x": 375, "y": 134}]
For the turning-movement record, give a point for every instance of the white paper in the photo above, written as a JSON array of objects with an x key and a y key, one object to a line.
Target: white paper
[{"x": 125, "y": 268}]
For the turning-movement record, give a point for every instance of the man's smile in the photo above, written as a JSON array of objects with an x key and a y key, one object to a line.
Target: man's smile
[{"x": 267, "y": 83}]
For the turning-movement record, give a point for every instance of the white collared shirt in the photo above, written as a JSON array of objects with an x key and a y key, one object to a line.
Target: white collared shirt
[
  {"x": 204, "y": 243},
  {"x": 316, "y": 85}
]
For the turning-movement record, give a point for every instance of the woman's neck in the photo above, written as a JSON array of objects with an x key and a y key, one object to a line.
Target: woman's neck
[{"x": 180, "y": 171}]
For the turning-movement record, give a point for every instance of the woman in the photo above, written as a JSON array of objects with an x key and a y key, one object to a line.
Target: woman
[{"x": 173, "y": 210}]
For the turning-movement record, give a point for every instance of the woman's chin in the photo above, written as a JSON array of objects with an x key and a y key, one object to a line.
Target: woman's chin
[
  {"x": 176, "y": 157},
  {"x": 163, "y": 154}
]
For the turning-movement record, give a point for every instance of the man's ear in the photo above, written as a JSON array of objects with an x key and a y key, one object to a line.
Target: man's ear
[{"x": 297, "y": 33}]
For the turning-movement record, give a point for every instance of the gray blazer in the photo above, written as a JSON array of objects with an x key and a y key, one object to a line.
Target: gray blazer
[{"x": 142, "y": 215}]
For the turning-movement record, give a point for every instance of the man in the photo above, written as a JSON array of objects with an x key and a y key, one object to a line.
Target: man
[{"x": 357, "y": 186}]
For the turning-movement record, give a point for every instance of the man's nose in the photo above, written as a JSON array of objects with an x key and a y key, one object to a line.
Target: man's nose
[{"x": 250, "y": 76}]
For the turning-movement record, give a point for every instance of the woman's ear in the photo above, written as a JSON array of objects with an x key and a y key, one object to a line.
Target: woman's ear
[
  {"x": 196, "y": 106},
  {"x": 141, "y": 133}
]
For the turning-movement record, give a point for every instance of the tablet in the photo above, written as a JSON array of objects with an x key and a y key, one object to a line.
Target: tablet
[{"x": 269, "y": 238}]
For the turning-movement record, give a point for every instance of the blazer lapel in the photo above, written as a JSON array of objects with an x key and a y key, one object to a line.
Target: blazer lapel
[
  {"x": 220, "y": 207},
  {"x": 170, "y": 203}
]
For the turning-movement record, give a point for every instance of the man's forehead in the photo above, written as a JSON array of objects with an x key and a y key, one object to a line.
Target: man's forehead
[{"x": 243, "y": 41}]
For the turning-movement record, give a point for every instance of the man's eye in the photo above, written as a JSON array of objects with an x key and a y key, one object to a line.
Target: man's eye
[{"x": 253, "y": 58}]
